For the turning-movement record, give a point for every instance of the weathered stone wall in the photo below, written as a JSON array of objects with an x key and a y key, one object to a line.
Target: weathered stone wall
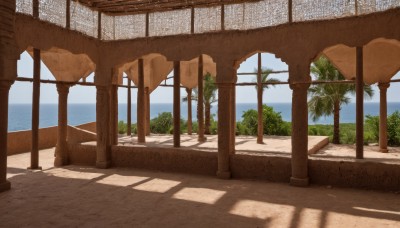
[
  {"x": 336, "y": 173},
  {"x": 21, "y": 141},
  {"x": 80, "y": 154},
  {"x": 165, "y": 159}
]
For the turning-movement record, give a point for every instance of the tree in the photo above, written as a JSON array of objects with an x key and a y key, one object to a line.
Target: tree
[
  {"x": 210, "y": 97},
  {"x": 262, "y": 77},
  {"x": 327, "y": 99},
  {"x": 266, "y": 72}
]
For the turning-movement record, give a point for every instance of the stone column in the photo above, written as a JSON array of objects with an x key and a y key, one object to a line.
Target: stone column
[
  {"x": 200, "y": 101},
  {"x": 177, "y": 104},
  {"x": 383, "y": 117},
  {"x": 4, "y": 91},
  {"x": 35, "y": 110},
  {"x": 129, "y": 110},
  {"x": 114, "y": 115},
  {"x": 9, "y": 55},
  {"x": 359, "y": 104},
  {"x": 61, "y": 153},
  {"x": 233, "y": 117},
  {"x": 103, "y": 155},
  {"x": 141, "y": 130},
  {"x": 299, "y": 76},
  {"x": 147, "y": 110},
  {"x": 225, "y": 82},
  {"x": 260, "y": 126},
  {"x": 189, "y": 101}
]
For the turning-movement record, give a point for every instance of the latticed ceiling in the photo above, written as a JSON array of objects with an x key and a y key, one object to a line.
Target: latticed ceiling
[{"x": 142, "y": 6}]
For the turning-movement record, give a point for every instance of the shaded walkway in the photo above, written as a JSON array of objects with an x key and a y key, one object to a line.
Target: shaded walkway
[{"x": 89, "y": 197}]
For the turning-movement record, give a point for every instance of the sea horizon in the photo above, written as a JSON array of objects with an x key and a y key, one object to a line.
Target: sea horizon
[{"x": 79, "y": 113}]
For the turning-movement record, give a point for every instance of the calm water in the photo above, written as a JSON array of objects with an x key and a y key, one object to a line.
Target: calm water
[{"x": 20, "y": 114}]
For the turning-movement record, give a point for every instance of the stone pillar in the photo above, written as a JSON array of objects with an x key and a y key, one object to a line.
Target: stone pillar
[
  {"x": 114, "y": 115},
  {"x": 129, "y": 110},
  {"x": 225, "y": 82},
  {"x": 189, "y": 101},
  {"x": 147, "y": 109},
  {"x": 141, "y": 130},
  {"x": 4, "y": 91},
  {"x": 177, "y": 104},
  {"x": 35, "y": 111},
  {"x": 233, "y": 117},
  {"x": 103, "y": 155},
  {"x": 61, "y": 153},
  {"x": 359, "y": 104},
  {"x": 299, "y": 76},
  {"x": 260, "y": 126},
  {"x": 200, "y": 101},
  {"x": 9, "y": 55},
  {"x": 383, "y": 117}
]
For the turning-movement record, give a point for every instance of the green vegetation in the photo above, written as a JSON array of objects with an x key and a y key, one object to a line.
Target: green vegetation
[
  {"x": 272, "y": 122},
  {"x": 274, "y": 125},
  {"x": 393, "y": 128},
  {"x": 327, "y": 99}
]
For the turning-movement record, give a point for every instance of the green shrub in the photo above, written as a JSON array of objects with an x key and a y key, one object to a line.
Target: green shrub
[
  {"x": 162, "y": 124},
  {"x": 121, "y": 127},
  {"x": 272, "y": 122},
  {"x": 393, "y": 128}
]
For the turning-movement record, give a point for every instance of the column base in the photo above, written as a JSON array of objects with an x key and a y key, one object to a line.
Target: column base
[
  {"x": 58, "y": 162},
  {"x": 204, "y": 139},
  {"x": 5, "y": 186},
  {"x": 299, "y": 182},
  {"x": 103, "y": 164},
  {"x": 35, "y": 168},
  {"x": 384, "y": 150},
  {"x": 224, "y": 175}
]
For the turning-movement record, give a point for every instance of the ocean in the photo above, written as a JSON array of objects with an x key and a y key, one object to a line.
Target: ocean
[{"x": 20, "y": 114}]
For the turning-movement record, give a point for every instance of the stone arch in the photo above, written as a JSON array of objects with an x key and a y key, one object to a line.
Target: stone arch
[
  {"x": 156, "y": 69},
  {"x": 64, "y": 65},
  {"x": 381, "y": 59},
  {"x": 189, "y": 70}
]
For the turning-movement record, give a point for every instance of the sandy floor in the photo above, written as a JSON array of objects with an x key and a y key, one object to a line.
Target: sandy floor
[
  {"x": 272, "y": 144},
  {"x": 348, "y": 152},
  {"x": 76, "y": 196}
]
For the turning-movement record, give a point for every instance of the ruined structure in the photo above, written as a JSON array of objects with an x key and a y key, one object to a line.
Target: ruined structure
[{"x": 147, "y": 39}]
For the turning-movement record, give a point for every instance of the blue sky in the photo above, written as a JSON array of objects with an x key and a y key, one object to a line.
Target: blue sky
[{"x": 21, "y": 92}]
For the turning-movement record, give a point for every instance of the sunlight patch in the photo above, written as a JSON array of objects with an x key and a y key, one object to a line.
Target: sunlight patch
[
  {"x": 65, "y": 173},
  {"x": 274, "y": 213},
  {"x": 123, "y": 181},
  {"x": 157, "y": 185},
  {"x": 376, "y": 210},
  {"x": 201, "y": 195}
]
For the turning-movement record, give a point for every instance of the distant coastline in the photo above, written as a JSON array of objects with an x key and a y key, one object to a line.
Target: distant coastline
[{"x": 20, "y": 114}]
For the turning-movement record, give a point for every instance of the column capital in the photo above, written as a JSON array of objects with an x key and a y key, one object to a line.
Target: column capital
[
  {"x": 63, "y": 88},
  {"x": 299, "y": 85},
  {"x": 6, "y": 84},
  {"x": 383, "y": 85}
]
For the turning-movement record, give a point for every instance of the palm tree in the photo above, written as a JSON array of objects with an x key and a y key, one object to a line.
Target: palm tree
[
  {"x": 327, "y": 99},
  {"x": 210, "y": 97},
  {"x": 264, "y": 73}
]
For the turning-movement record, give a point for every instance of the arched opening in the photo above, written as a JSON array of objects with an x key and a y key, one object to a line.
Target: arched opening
[
  {"x": 263, "y": 105},
  {"x": 40, "y": 113},
  {"x": 351, "y": 123}
]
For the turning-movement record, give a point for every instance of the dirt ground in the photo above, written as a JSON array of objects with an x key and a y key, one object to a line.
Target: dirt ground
[
  {"x": 75, "y": 196},
  {"x": 272, "y": 144}
]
